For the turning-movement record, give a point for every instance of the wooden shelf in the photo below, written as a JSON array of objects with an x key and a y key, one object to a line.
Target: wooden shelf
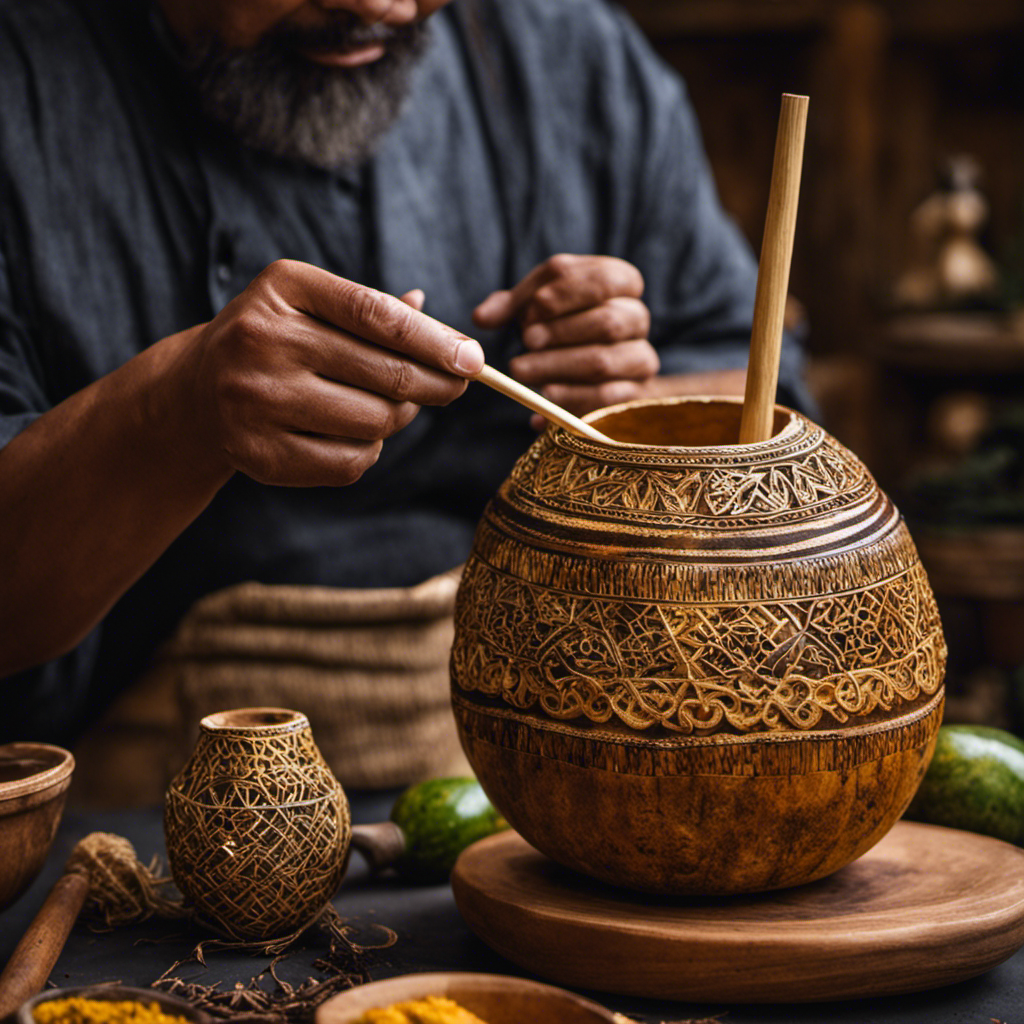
[
  {"x": 952, "y": 343},
  {"x": 986, "y": 564}
]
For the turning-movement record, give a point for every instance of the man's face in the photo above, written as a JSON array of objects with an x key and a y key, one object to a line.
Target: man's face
[
  {"x": 243, "y": 24},
  {"x": 319, "y": 81}
]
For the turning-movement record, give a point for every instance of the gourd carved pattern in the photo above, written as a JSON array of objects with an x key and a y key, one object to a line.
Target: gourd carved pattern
[
  {"x": 795, "y": 600},
  {"x": 694, "y": 495},
  {"x": 687, "y": 668}
]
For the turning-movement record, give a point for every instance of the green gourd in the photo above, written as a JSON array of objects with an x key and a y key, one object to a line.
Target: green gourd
[
  {"x": 975, "y": 782},
  {"x": 431, "y": 824},
  {"x": 440, "y": 818}
]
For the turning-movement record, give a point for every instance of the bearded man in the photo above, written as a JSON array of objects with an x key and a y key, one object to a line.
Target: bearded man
[{"x": 219, "y": 220}]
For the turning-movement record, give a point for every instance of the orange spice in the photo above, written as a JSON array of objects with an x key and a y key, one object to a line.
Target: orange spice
[{"x": 432, "y": 1010}]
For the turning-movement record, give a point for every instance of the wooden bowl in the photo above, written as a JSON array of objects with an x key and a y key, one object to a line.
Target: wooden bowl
[
  {"x": 34, "y": 778},
  {"x": 686, "y": 665},
  {"x": 170, "y": 1005},
  {"x": 494, "y": 998}
]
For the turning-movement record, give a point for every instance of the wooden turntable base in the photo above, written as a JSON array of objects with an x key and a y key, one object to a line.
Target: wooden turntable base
[{"x": 927, "y": 906}]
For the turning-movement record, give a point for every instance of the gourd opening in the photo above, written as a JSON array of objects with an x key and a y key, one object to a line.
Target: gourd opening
[
  {"x": 680, "y": 422},
  {"x": 252, "y": 718}
]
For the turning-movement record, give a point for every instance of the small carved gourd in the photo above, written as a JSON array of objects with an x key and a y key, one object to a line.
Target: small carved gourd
[
  {"x": 705, "y": 669},
  {"x": 257, "y": 826}
]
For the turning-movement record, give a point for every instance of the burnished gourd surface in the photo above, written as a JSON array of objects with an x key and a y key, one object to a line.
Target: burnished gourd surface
[{"x": 716, "y": 611}]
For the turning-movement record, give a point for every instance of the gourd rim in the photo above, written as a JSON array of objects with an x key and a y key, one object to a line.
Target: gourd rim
[
  {"x": 255, "y": 721},
  {"x": 789, "y": 422}
]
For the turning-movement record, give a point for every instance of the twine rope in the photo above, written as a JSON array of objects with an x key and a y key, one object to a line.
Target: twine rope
[{"x": 122, "y": 890}]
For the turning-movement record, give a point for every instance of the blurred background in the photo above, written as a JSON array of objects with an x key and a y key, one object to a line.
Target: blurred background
[{"x": 908, "y": 273}]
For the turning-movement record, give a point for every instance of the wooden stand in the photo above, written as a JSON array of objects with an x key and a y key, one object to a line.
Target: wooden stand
[{"x": 927, "y": 906}]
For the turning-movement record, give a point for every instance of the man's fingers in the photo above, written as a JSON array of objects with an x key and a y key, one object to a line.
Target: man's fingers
[
  {"x": 580, "y": 283},
  {"x": 301, "y": 460},
  {"x": 583, "y": 398},
  {"x": 565, "y": 283},
  {"x": 415, "y": 298},
  {"x": 583, "y": 283},
  {"x": 345, "y": 359},
  {"x": 618, "y": 319},
  {"x": 587, "y": 364},
  {"x": 383, "y": 319},
  {"x": 332, "y": 410},
  {"x": 499, "y": 307}
]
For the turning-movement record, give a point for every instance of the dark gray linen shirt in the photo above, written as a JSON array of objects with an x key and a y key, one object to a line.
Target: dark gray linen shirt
[{"x": 534, "y": 127}]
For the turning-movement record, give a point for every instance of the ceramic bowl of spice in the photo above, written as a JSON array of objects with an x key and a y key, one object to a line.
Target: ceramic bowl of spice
[
  {"x": 461, "y": 999},
  {"x": 34, "y": 778},
  {"x": 108, "y": 1004}
]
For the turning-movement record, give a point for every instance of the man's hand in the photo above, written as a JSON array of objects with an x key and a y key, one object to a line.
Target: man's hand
[
  {"x": 584, "y": 329},
  {"x": 297, "y": 381},
  {"x": 300, "y": 379}
]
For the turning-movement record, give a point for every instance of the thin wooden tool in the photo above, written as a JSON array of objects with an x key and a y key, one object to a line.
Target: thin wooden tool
[
  {"x": 773, "y": 273},
  {"x": 33, "y": 959},
  {"x": 538, "y": 403}
]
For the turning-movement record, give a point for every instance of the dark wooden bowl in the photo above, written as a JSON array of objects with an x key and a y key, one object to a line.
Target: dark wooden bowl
[
  {"x": 115, "y": 993},
  {"x": 34, "y": 778},
  {"x": 494, "y": 998}
]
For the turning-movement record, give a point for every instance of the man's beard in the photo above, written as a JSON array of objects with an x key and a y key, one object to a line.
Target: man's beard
[{"x": 274, "y": 99}]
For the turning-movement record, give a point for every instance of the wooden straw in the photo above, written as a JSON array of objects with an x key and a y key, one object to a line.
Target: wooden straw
[
  {"x": 538, "y": 403},
  {"x": 773, "y": 273}
]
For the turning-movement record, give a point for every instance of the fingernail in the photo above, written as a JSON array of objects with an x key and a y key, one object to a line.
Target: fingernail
[{"x": 469, "y": 357}]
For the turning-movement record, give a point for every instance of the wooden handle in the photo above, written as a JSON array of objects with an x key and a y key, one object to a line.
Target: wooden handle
[
  {"x": 538, "y": 403},
  {"x": 773, "y": 273},
  {"x": 33, "y": 959},
  {"x": 381, "y": 844}
]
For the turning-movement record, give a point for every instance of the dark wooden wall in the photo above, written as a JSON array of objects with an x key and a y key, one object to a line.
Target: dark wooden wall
[{"x": 895, "y": 86}]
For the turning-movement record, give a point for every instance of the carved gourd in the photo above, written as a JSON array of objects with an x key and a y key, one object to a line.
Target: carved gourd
[
  {"x": 705, "y": 669},
  {"x": 257, "y": 827}
]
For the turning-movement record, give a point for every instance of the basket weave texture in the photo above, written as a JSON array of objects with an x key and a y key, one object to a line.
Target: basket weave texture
[{"x": 257, "y": 827}]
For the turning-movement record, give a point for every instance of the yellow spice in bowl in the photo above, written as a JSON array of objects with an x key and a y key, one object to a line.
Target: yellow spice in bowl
[
  {"x": 432, "y": 1010},
  {"x": 78, "y": 1010}
]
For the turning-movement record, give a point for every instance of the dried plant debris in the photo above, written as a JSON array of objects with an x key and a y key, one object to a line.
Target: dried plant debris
[{"x": 268, "y": 998}]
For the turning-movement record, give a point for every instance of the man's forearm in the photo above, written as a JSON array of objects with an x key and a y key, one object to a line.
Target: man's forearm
[{"x": 90, "y": 495}]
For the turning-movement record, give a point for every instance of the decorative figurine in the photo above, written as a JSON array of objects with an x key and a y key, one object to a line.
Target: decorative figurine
[{"x": 949, "y": 268}]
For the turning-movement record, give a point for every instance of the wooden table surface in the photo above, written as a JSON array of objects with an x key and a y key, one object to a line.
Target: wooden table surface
[{"x": 433, "y": 937}]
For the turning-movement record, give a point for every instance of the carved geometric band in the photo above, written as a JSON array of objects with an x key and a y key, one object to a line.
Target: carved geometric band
[
  {"x": 698, "y": 668},
  {"x": 770, "y": 754},
  {"x": 796, "y": 487}
]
